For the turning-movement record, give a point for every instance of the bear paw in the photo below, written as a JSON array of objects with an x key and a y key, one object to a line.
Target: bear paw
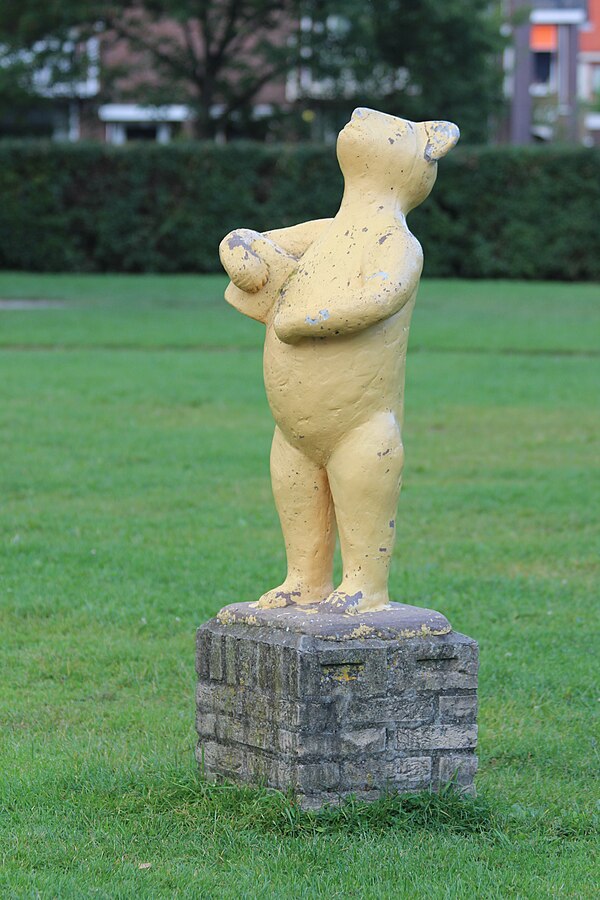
[
  {"x": 353, "y": 604},
  {"x": 291, "y": 595},
  {"x": 242, "y": 260}
]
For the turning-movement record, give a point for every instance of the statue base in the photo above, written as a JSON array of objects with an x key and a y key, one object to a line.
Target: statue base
[{"x": 332, "y": 705}]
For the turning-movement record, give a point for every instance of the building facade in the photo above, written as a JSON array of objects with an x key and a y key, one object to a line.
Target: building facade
[{"x": 553, "y": 71}]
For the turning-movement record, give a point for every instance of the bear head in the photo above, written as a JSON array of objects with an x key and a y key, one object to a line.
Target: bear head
[{"x": 388, "y": 154}]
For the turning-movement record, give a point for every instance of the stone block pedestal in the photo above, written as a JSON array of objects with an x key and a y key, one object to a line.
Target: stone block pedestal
[{"x": 333, "y": 705}]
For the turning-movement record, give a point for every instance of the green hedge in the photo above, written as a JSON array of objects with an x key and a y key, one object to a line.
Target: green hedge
[{"x": 495, "y": 212}]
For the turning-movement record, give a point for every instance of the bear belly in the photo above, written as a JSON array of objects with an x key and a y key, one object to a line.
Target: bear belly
[{"x": 321, "y": 388}]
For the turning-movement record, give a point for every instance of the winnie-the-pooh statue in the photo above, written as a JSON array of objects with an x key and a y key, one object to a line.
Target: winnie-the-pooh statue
[{"x": 336, "y": 296}]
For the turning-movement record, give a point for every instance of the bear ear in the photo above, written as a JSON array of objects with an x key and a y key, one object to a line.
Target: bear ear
[{"x": 441, "y": 137}]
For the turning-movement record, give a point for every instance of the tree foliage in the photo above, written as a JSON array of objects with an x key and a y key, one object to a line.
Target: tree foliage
[
  {"x": 151, "y": 208},
  {"x": 451, "y": 53},
  {"x": 420, "y": 59},
  {"x": 215, "y": 55}
]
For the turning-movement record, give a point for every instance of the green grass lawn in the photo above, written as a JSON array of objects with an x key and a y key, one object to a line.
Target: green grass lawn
[{"x": 135, "y": 502}]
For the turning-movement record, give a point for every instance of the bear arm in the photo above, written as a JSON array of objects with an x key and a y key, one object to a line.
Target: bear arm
[
  {"x": 297, "y": 238},
  {"x": 385, "y": 291},
  {"x": 244, "y": 266},
  {"x": 247, "y": 256},
  {"x": 255, "y": 306}
]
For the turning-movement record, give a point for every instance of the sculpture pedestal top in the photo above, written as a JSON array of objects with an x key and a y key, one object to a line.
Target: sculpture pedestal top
[{"x": 397, "y": 621}]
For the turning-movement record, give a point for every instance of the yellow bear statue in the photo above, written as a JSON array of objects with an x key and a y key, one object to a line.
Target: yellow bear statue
[{"x": 336, "y": 296}]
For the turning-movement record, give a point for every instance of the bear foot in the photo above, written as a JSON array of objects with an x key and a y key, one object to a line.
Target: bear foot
[
  {"x": 353, "y": 604},
  {"x": 291, "y": 594}
]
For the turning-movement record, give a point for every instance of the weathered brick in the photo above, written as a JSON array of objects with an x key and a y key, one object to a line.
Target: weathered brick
[
  {"x": 219, "y": 698},
  {"x": 230, "y": 730},
  {"x": 304, "y": 745},
  {"x": 362, "y": 740},
  {"x": 399, "y": 773},
  {"x": 216, "y": 668},
  {"x": 336, "y": 655},
  {"x": 247, "y": 659},
  {"x": 429, "y": 661},
  {"x": 377, "y": 673},
  {"x": 278, "y": 683},
  {"x": 203, "y": 641},
  {"x": 296, "y": 744},
  {"x": 290, "y": 670},
  {"x": 444, "y": 680},
  {"x": 308, "y": 677},
  {"x": 412, "y": 713},
  {"x": 231, "y": 662},
  {"x": 261, "y": 768},
  {"x": 241, "y": 701},
  {"x": 400, "y": 668},
  {"x": 409, "y": 707},
  {"x": 206, "y": 725},
  {"x": 313, "y": 777},
  {"x": 458, "y": 769},
  {"x": 462, "y": 649},
  {"x": 221, "y": 759},
  {"x": 344, "y": 674},
  {"x": 467, "y": 666},
  {"x": 458, "y": 708},
  {"x": 264, "y": 679},
  {"x": 365, "y": 668},
  {"x": 437, "y": 737}
]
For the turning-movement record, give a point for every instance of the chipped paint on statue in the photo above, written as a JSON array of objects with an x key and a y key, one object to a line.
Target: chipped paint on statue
[{"x": 336, "y": 296}]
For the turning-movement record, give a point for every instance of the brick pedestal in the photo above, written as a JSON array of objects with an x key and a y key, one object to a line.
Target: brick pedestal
[{"x": 332, "y": 707}]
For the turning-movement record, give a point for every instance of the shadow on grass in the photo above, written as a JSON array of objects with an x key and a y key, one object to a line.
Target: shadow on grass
[
  {"x": 261, "y": 809},
  {"x": 152, "y": 790},
  {"x": 449, "y": 811}
]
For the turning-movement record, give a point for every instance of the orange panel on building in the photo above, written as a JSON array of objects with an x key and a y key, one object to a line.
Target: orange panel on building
[{"x": 544, "y": 38}]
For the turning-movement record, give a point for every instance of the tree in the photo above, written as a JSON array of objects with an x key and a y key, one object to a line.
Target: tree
[
  {"x": 214, "y": 55},
  {"x": 451, "y": 52},
  {"x": 419, "y": 59},
  {"x": 415, "y": 58}
]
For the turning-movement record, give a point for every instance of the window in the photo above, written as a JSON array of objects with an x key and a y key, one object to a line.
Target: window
[
  {"x": 140, "y": 132},
  {"x": 542, "y": 67}
]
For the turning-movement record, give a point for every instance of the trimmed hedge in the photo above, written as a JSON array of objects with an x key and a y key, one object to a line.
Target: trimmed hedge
[{"x": 495, "y": 212}]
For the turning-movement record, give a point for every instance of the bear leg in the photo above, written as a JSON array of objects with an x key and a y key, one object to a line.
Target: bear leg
[
  {"x": 365, "y": 472},
  {"x": 305, "y": 507}
]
